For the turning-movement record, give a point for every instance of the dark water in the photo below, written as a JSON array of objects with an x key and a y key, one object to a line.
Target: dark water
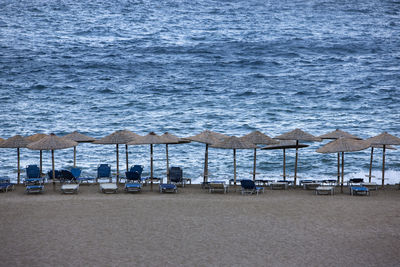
[{"x": 186, "y": 66}]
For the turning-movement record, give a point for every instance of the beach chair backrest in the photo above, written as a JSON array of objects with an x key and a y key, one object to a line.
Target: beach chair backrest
[
  {"x": 175, "y": 174},
  {"x": 137, "y": 168},
  {"x": 247, "y": 184},
  {"x": 132, "y": 176},
  {"x": 32, "y": 171},
  {"x": 67, "y": 175},
  {"x": 76, "y": 172},
  {"x": 57, "y": 174},
  {"x": 104, "y": 170}
]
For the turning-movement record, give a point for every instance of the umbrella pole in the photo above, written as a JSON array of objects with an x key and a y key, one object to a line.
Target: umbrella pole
[
  {"x": 383, "y": 166},
  {"x": 295, "y": 165},
  {"x": 370, "y": 164},
  {"x": 284, "y": 164},
  {"x": 166, "y": 154},
  {"x": 151, "y": 167},
  {"x": 234, "y": 167},
  {"x": 41, "y": 162},
  {"x": 18, "y": 167},
  {"x": 126, "y": 156},
  {"x": 206, "y": 165},
  {"x": 254, "y": 165},
  {"x": 338, "y": 167},
  {"x": 74, "y": 156},
  {"x": 341, "y": 184},
  {"x": 54, "y": 170},
  {"x": 117, "y": 163}
]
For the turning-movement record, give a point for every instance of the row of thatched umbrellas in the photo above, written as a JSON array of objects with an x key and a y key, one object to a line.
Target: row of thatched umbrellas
[{"x": 344, "y": 142}]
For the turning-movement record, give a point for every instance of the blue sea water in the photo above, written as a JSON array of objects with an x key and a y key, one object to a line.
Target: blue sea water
[{"x": 186, "y": 66}]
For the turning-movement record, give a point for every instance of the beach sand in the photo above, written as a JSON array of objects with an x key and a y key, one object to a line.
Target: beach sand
[{"x": 195, "y": 228}]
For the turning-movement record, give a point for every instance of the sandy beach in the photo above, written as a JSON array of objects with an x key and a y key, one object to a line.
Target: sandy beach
[{"x": 195, "y": 228}]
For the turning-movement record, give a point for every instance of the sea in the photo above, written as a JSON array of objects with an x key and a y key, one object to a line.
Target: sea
[{"x": 184, "y": 66}]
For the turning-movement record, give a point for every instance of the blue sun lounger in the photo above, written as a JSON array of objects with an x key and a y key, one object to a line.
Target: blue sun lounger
[
  {"x": 76, "y": 172},
  {"x": 359, "y": 190},
  {"x": 249, "y": 187},
  {"x": 133, "y": 180},
  {"x": 5, "y": 185},
  {"x": 168, "y": 188},
  {"x": 34, "y": 185}
]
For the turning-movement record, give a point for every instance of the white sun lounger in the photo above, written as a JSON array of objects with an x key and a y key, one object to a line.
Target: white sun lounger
[
  {"x": 108, "y": 188},
  {"x": 70, "y": 188},
  {"x": 326, "y": 190}
]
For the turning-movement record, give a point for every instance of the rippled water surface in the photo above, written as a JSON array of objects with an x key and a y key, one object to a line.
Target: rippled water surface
[{"x": 186, "y": 66}]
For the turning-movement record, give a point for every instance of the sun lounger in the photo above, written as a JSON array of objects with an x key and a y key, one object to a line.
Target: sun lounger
[
  {"x": 5, "y": 187},
  {"x": 76, "y": 172},
  {"x": 34, "y": 185},
  {"x": 249, "y": 187},
  {"x": 217, "y": 186},
  {"x": 311, "y": 186},
  {"x": 133, "y": 180},
  {"x": 370, "y": 186},
  {"x": 176, "y": 176},
  {"x": 264, "y": 182},
  {"x": 359, "y": 190},
  {"x": 279, "y": 186},
  {"x": 168, "y": 188},
  {"x": 108, "y": 188},
  {"x": 69, "y": 188},
  {"x": 325, "y": 190},
  {"x": 355, "y": 181}
]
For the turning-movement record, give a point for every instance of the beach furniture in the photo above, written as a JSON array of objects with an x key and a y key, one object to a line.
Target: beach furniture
[
  {"x": 249, "y": 187},
  {"x": 325, "y": 190},
  {"x": 137, "y": 168},
  {"x": 331, "y": 182},
  {"x": 263, "y": 182},
  {"x": 108, "y": 188},
  {"x": 57, "y": 174},
  {"x": 34, "y": 185},
  {"x": 370, "y": 186},
  {"x": 133, "y": 182},
  {"x": 104, "y": 172},
  {"x": 311, "y": 185},
  {"x": 232, "y": 181},
  {"x": 76, "y": 172},
  {"x": 168, "y": 188},
  {"x": 355, "y": 181},
  {"x": 176, "y": 176},
  {"x": 32, "y": 171},
  {"x": 5, "y": 185},
  {"x": 218, "y": 186},
  {"x": 359, "y": 190},
  {"x": 278, "y": 185},
  {"x": 69, "y": 188}
]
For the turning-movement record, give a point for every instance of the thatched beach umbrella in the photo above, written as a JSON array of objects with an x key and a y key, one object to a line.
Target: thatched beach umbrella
[
  {"x": 258, "y": 138},
  {"x": 121, "y": 137},
  {"x": 34, "y": 138},
  {"x": 297, "y": 135},
  {"x": 207, "y": 137},
  {"x": 79, "y": 138},
  {"x": 384, "y": 139},
  {"x": 343, "y": 145},
  {"x": 336, "y": 135},
  {"x": 372, "y": 157},
  {"x": 284, "y": 144},
  {"x": 17, "y": 142},
  {"x": 52, "y": 142},
  {"x": 171, "y": 139},
  {"x": 234, "y": 143},
  {"x": 150, "y": 139}
]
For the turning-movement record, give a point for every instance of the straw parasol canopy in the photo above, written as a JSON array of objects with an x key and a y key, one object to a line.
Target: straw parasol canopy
[
  {"x": 120, "y": 137},
  {"x": 343, "y": 145},
  {"x": 297, "y": 135},
  {"x": 284, "y": 144},
  {"x": 207, "y": 137},
  {"x": 258, "y": 138},
  {"x": 52, "y": 142},
  {"x": 172, "y": 139},
  {"x": 17, "y": 142},
  {"x": 234, "y": 143},
  {"x": 384, "y": 139},
  {"x": 34, "y": 138},
  {"x": 151, "y": 139},
  {"x": 336, "y": 135},
  {"x": 79, "y": 138}
]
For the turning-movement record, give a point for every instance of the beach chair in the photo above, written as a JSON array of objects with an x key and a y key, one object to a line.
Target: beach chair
[
  {"x": 108, "y": 188},
  {"x": 32, "y": 171},
  {"x": 137, "y": 168},
  {"x": 325, "y": 190},
  {"x": 133, "y": 180},
  {"x": 57, "y": 174},
  {"x": 168, "y": 188},
  {"x": 359, "y": 190},
  {"x": 34, "y": 185},
  {"x": 176, "y": 176},
  {"x": 249, "y": 187},
  {"x": 370, "y": 186},
  {"x": 278, "y": 185},
  {"x": 5, "y": 185},
  {"x": 355, "y": 181},
  {"x": 104, "y": 172},
  {"x": 218, "y": 186},
  {"x": 76, "y": 172}
]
